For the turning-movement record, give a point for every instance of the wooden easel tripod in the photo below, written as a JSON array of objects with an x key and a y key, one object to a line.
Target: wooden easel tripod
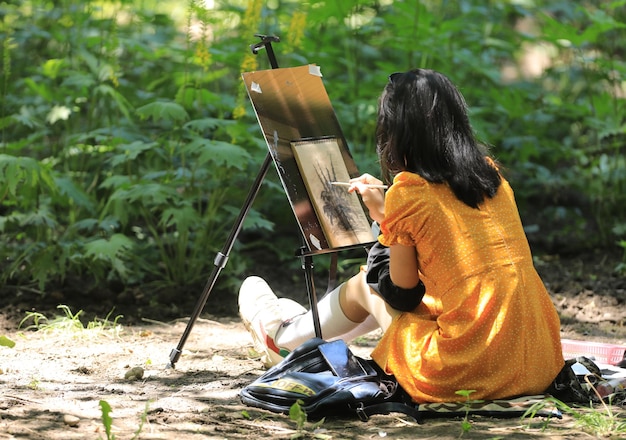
[{"x": 222, "y": 257}]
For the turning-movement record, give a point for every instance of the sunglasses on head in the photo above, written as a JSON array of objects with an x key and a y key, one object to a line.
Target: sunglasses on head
[{"x": 396, "y": 76}]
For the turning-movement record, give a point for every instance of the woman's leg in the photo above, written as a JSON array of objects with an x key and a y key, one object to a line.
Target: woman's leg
[
  {"x": 280, "y": 325},
  {"x": 351, "y": 310},
  {"x": 334, "y": 323},
  {"x": 358, "y": 301}
]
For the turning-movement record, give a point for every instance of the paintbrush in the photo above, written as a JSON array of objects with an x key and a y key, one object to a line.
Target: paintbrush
[{"x": 370, "y": 185}]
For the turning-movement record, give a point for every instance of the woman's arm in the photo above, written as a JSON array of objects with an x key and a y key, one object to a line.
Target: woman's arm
[
  {"x": 379, "y": 278},
  {"x": 373, "y": 198},
  {"x": 403, "y": 266}
]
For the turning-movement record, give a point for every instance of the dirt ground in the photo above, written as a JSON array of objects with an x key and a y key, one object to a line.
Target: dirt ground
[{"x": 54, "y": 380}]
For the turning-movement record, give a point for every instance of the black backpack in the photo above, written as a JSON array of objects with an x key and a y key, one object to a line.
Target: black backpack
[{"x": 329, "y": 380}]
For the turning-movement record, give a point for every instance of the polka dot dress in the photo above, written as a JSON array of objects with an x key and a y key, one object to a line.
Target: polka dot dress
[{"x": 487, "y": 322}]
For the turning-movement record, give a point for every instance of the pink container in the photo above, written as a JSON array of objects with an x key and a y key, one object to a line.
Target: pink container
[{"x": 602, "y": 353}]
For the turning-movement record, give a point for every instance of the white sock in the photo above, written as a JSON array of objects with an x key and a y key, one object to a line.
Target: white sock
[
  {"x": 333, "y": 322},
  {"x": 363, "y": 328}
]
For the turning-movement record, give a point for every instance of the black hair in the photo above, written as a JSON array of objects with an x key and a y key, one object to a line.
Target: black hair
[{"x": 423, "y": 128}]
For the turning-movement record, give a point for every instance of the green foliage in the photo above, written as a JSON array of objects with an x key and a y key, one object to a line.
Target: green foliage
[
  {"x": 6, "y": 342},
  {"x": 121, "y": 160},
  {"x": 299, "y": 416},
  {"x": 621, "y": 268},
  {"x": 558, "y": 128},
  {"x": 466, "y": 425},
  {"x": 70, "y": 323},
  {"x": 107, "y": 420},
  {"x": 34, "y": 384},
  {"x": 142, "y": 421},
  {"x": 127, "y": 144}
]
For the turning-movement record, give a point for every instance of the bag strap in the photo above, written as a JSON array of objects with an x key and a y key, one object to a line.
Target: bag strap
[
  {"x": 364, "y": 412},
  {"x": 400, "y": 402}
]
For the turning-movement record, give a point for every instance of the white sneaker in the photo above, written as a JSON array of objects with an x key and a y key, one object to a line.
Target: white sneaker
[{"x": 263, "y": 314}]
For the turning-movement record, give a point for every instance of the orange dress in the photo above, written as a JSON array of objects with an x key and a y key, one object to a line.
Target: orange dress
[{"x": 486, "y": 322}]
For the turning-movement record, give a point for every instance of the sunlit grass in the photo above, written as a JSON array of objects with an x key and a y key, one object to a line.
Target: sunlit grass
[
  {"x": 601, "y": 422},
  {"x": 71, "y": 324}
]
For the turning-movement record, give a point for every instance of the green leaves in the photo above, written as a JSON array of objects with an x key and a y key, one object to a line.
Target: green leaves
[
  {"x": 108, "y": 249},
  {"x": 111, "y": 252},
  {"x": 303, "y": 430},
  {"x": 217, "y": 153},
  {"x": 107, "y": 420},
  {"x": 24, "y": 173},
  {"x": 6, "y": 342},
  {"x": 120, "y": 158},
  {"x": 130, "y": 152},
  {"x": 568, "y": 33},
  {"x": 297, "y": 414},
  {"x": 149, "y": 194},
  {"x": 163, "y": 111}
]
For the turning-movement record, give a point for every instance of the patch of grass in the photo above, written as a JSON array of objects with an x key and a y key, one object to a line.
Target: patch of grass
[
  {"x": 601, "y": 422},
  {"x": 71, "y": 323}
]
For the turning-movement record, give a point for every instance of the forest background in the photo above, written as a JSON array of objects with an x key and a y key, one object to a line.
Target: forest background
[{"x": 128, "y": 144}]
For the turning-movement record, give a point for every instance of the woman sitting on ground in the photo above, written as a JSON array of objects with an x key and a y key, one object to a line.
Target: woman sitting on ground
[{"x": 458, "y": 299}]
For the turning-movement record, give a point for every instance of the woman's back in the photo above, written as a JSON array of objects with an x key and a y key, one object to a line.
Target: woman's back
[{"x": 482, "y": 294}]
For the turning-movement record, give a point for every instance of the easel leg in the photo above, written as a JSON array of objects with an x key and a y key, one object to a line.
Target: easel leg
[
  {"x": 222, "y": 257},
  {"x": 307, "y": 265},
  {"x": 220, "y": 260}
]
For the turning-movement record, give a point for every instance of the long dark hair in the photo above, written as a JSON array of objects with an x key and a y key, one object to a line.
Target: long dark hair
[{"x": 423, "y": 127}]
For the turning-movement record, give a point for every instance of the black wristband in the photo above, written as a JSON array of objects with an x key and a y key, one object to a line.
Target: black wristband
[
  {"x": 379, "y": 279},
  {"x": 401, "y": 299}
]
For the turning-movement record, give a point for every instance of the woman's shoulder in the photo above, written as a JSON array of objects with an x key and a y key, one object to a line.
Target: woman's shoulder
[
  {"x": 406, "y": 178},
  {"x": 408, "y": 188}
]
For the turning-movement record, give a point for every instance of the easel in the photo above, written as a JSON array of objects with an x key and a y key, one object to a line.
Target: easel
[{"x": 222, "y": 257}]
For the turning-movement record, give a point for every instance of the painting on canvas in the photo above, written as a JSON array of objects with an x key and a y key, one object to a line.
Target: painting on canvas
[{"x": 340, "y": 213}]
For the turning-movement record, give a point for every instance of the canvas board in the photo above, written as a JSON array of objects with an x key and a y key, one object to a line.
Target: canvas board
[
  {"x": 340, "y": 213},
  {"x": 292, "y": 106}
]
